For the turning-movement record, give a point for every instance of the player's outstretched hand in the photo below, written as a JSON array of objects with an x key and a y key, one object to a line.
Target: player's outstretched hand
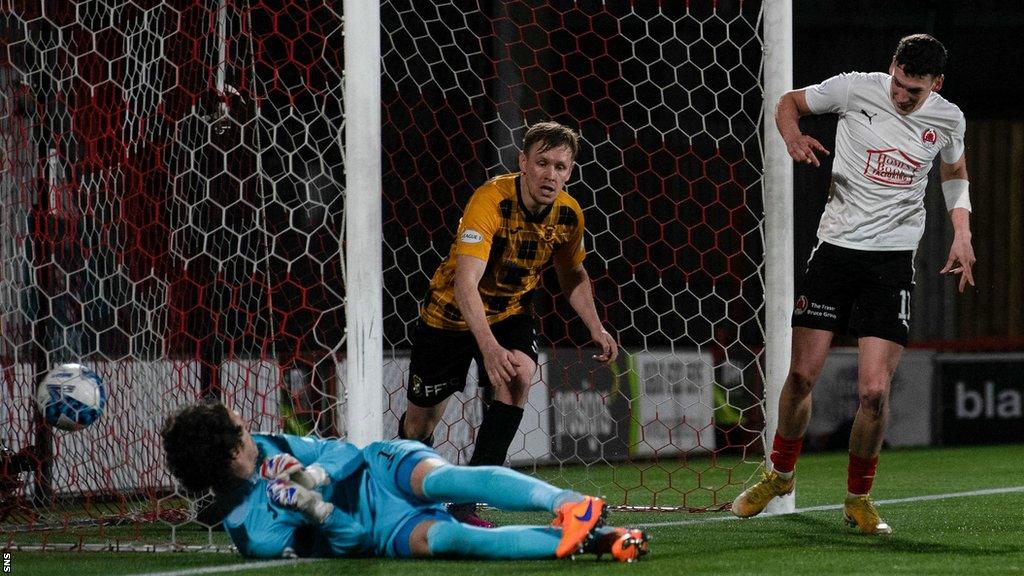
[
  {"x": 961, "y": 260},
  {"x": 284, "y": 466},
  {"x": 609, "y": 348},
  {"x": 803, "y": 148},
  {"x": 294, "y": 497}
]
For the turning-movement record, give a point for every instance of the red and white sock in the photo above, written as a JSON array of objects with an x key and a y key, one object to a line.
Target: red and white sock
[
  {"x": 860, "y": 475},
  {"x": 785, "y": 451}
]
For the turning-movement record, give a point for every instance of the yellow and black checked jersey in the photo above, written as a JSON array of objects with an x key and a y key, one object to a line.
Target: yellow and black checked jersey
[{"x": 515, "y": 244}]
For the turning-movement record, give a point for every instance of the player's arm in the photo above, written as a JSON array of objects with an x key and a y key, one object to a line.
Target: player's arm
[
  {"x": 576, "y": 286},
  {"x": 271, "y": 544},
  {"x": 343, "y": 534},
  {"x": 273, "y": 532},
  {"x": 499, "y": 362},
  {"x": 310, "y": 462},
  {"x": 958, "y": 201},
  {"x": 801, "y": 147},
  {"x": 258, "y": 533}
]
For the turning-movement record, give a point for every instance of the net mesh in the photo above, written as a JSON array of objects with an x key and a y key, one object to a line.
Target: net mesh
[
  {"x": 667, "y": 99},
  {"x": 172, "y": 215}
]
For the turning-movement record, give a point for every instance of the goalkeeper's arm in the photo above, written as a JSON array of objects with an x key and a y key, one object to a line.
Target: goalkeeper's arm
[
  {"x": 337, "y": 459},
  {"x": 295, "y": 497},
  {"x": 286, "y": 467}
]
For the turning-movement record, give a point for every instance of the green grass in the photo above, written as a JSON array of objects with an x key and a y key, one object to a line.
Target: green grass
[{"x": 957, "y": 535}]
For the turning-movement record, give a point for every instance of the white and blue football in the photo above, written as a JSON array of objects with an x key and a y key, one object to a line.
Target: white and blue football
[{"x": 71, "y": 397}]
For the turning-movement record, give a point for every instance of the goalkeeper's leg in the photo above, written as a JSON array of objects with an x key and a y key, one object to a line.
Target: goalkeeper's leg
[
  {"x": 498, "y": 486},
  {"x": 576, "y": 515},
  {"x": 446, "y": 538},
  {"x": 411, "y": 469},
  {"x": 505, "y": 543}
]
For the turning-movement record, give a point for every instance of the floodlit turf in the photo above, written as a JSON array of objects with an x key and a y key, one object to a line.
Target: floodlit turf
[{"x": 954, "y": 535}]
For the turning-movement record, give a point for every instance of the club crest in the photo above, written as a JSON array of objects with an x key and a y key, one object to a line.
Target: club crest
[
  {"x": 801, "y": 305},
  {"x": 928, "y": 138}
]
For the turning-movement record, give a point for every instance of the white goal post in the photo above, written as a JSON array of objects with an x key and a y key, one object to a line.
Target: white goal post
[
  {"x": 778, "y": 223},
  {"x": 777, "y": 228}
]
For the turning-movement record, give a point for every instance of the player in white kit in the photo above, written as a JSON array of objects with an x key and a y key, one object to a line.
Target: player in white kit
[{"x": 860, "y": 275}]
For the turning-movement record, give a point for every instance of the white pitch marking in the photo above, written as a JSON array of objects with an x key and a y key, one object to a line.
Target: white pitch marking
[
  {"x": 231, "y": 567},
  {"x": 986, "y": 492},
  {"x": 274, "y": 563}
]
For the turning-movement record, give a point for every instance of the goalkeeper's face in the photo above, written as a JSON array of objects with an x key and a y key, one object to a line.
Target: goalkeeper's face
[
  {"x": 544, "y": 174},
  {"x": 243, "y": 465}
]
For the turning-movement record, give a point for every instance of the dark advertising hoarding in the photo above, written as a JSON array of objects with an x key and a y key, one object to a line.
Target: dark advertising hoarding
[{"x": 981, "y": 397}]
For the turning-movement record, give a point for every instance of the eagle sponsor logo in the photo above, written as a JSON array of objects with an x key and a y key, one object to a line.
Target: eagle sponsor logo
[
  {"x": 471, "y": 237},
  {"x": 891, "y": 166}
]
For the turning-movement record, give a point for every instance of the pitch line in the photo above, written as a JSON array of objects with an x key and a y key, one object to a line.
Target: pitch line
[
  {"x": 986, "y": 492},
  {"x": 232, "y": 567},
  {"x": 275, "y": 563}
]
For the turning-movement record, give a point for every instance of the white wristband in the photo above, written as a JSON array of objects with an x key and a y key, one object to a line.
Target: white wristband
[
  {"x": 311, "y": 477},
  {"x": 320, "y": 511},
  {"x": 956, "y": 194},
  {"x": 320, "y": 477}
]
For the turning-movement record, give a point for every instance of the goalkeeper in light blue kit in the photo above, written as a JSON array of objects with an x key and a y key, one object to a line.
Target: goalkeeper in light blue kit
[{"x": 288, "y": 495}]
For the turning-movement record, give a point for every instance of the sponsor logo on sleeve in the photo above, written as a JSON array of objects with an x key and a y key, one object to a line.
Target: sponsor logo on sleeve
[
  {"x": 471, "y": 237},
  {"x": 891, "y": 166}
]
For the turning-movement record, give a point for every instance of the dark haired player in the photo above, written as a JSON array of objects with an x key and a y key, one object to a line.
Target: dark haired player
[
  {"x": 285, "y": 495},
  {"x": 860, "y": 275}
]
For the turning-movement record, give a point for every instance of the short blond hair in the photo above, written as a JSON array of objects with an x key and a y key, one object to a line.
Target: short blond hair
[{"x": 551, "y": 135}]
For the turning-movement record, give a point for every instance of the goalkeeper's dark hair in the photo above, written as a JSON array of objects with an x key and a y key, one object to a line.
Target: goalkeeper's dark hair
[
  {"x": 920, "y": 55},
  {"x": 200, "y": 443},
  {"x": 551, "y": 135}
]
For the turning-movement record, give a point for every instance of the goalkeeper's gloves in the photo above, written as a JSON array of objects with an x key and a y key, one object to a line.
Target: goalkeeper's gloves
[
  {"x": 284, "y": 466},
  {"x": 294, "y": 497}
]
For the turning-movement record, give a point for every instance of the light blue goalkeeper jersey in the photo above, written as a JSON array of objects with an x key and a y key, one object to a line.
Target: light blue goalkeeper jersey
[{"x": 369, "y": 512}]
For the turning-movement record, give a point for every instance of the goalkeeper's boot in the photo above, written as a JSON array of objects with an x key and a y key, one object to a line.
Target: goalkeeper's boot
[
  {"x": 624, "y": 544},
  {"x": 754, "y": 499},
  {"x": 578, "y": 521},
  {"x": 859, "y": 512},
  {"x": 466, "y": 513}
]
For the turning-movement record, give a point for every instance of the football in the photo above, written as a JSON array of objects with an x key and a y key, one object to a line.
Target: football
[{"x": 71, "y": 397}]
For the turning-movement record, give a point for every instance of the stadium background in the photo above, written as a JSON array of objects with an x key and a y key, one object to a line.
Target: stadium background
[{"x": 827, "y": 40}]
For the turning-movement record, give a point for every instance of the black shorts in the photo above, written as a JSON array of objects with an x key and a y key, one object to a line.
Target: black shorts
[
  {"x": 440, "y": 358},
  {"x": 858, "y": 292}
]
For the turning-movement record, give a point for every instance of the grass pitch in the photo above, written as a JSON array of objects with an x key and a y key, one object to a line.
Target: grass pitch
[{"x": 953, "y": 511}]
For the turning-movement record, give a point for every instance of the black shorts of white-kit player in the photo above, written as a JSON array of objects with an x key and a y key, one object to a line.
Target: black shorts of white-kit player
[
  {"x": 440, "y": 358},
  {"x": 858, "y": 292}
]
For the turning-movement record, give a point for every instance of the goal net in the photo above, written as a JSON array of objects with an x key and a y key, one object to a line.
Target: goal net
[
  {"x": 667, "y": 99},
  {"x": 172, "y": 191}
]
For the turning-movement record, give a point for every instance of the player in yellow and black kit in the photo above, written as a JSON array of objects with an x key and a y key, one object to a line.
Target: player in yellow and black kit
[{"x": 514, "y": 224}]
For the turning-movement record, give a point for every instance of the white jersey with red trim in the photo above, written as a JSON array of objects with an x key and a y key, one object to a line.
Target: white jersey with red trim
[{"x": 882, "y": 160}]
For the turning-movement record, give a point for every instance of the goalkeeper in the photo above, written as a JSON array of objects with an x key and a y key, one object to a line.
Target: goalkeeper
[{"x": 286, "y": 495}]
